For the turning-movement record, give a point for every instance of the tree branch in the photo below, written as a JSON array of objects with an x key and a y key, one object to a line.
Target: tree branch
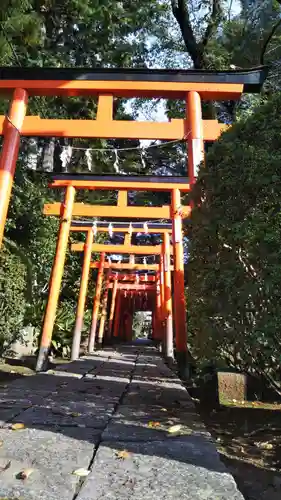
[
  {"x": 215, "y": 19},
  {"x": 196, "y": 50},
  {"x": 268, "y": 39},
  {"x": 181, "y": 14}
]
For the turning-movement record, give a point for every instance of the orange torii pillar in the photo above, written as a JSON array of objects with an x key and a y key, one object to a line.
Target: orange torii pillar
[
  {"x": 96, "y": 304},
  {"x": 12, "y": 129},
  {"x": 104, "y": 309},
  {"x": 158, "y": 334},
  {"x": 179, "y": 296},
  {"x": 169, "y": 344},
  {"x": 162, "y": 299},
  {"x": 55, "y": 280},
  {"x": 117, "y": 315},
  {"x": 128, "y": 318},
  {"x": 196, "y": 134},
  {"x": 122, "y": 324},
  {"x": 112, "y": 306},
  {"x": 82, "y": 296}
]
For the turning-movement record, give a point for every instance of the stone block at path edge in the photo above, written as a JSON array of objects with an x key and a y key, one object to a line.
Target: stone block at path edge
[{"x": 153, "y": 471}]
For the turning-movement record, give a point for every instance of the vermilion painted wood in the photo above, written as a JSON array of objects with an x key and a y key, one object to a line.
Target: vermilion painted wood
[
  {"x": 55, "y": 279},
  {"x": 96, "y": 304},
  {"x": 11, "y": 128},
  {"x": 166, "y": 90},
  {"x": 120, "y": 266},
  {"x": 120, "y": 249},
  {"x": 134, "y": 286},
  {"x": 85, "y": 210},
  {"x": 169, "y": 349},
  {"x": 179, "y": 297},
  {"x": 176, "y": 129},
  {"x": 82, "y": 297}
]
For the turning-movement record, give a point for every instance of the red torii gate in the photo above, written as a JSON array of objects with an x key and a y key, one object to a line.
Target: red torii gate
[
  {"x": 190, "y": 85},
  {"x": 126, "y": 248},
  {"x": 175, "y": 212}
]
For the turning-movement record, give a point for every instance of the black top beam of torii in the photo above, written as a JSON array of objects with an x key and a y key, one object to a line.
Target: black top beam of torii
[{"x": 252, "y": 78}]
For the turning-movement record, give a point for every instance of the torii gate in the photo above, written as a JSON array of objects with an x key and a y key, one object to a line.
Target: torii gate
[
  {"x": 189, "y": 85},
  {"x": 174, "y": 212},
  {"x": 127, "y": 248}
]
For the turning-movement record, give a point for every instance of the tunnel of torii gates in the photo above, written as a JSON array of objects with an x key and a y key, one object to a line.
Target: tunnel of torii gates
[{"x": 154, "y": 291}]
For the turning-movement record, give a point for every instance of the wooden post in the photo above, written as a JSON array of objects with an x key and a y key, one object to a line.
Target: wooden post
[
  {"x": 169, "y": 348},
  {"x": 179, "y": 297},
  {"x": 158, "y": 311},
  {"x": 82, "y": 296},
  {"x": 195, "y": 137},
  {"x": 104, "y": 310},
  {"x": 112, "y": 306},
  {"x": 96, "y": 305},
  {"x": 55, "y": 280},
  {"x": 9, "y": 154},
  {"x": 131, "y": 259},
  {"x": 117, "y": 315},
  {"x": 162, "y": 297}
]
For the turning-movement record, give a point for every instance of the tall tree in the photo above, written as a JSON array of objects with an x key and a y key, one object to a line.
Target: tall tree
[{"x": 198, "y": 23}]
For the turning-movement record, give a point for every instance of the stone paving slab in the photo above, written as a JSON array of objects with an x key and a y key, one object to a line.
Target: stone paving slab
[
  {"x": 53, "y": 454},
  {"x": 22, "y": 399},
  {"x": 152, "y": 423},
  {"x": 96, "y": 385},
  {"x": 38, "y": 382},
  {"x": 81, "y": 396},
  {"x": 81, "y": 366},
  {"x": 165, "y": 394},
  {"x": 71, "y": 414},
  {"x": 154, "y": 471},
  {"x": 7, "y": 414},
  {"x": 83, "y": 414}
]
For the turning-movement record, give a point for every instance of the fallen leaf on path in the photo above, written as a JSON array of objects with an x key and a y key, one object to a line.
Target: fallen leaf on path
[
  {"x": 174, "y": 429},
  {"x": 123, "y": 454},
  {"x": 153, "y": 424},
  {"x": 81, "y": 472},
  {"x": 5, "y": 467},
  {"x": 17, "y": 427},
  {"x": 264, "y": 445},
  {"x": 24, "y": 474}
]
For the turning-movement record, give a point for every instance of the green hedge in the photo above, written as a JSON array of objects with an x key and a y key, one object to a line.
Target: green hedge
[
  {"x": 235, "y": 251},
  {"x": 13, "y": 302}
]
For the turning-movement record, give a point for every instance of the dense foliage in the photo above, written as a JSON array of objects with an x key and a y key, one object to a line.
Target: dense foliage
[
  {"x": 13, "y": 299},
  {"x": 234, "y": 270}
]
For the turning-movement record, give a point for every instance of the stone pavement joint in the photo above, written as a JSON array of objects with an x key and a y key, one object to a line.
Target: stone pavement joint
[{"x": 109, "y": 413}]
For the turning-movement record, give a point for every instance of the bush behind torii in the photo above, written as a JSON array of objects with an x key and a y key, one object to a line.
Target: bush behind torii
[{"x": 234, "y": 286}]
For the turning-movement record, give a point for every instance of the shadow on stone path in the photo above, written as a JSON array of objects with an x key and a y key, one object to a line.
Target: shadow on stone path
[{"x": 87, "y": 412}]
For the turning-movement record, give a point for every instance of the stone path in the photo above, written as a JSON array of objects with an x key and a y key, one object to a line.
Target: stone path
[{"x": 109, "y": 413}]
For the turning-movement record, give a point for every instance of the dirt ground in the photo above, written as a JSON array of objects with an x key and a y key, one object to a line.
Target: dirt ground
[{"x": 248, "y": 437}]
